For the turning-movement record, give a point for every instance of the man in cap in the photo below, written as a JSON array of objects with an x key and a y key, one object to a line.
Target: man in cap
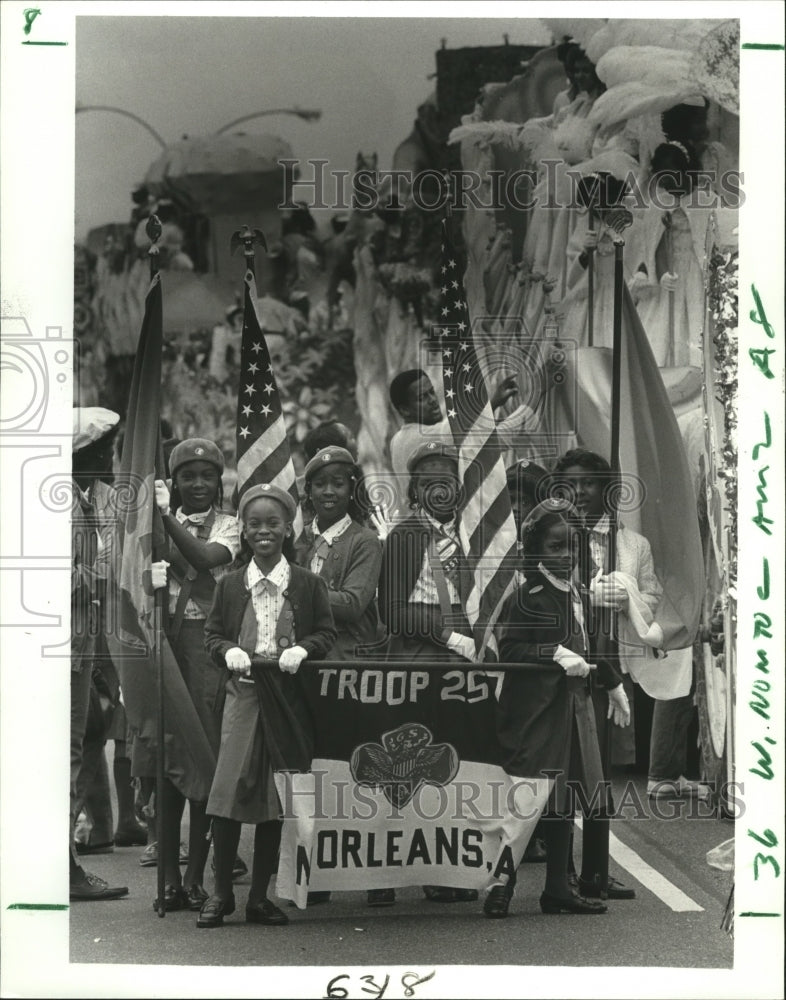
[
  {"x": 415, "y": 400},
  {"x": 94, "y": 430}
]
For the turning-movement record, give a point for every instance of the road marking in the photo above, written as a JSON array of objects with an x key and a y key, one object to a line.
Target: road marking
[{"x": 658, "y": 884}]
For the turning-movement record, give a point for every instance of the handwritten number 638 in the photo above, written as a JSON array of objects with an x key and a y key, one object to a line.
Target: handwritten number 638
[{"x": 409, "y": 980}]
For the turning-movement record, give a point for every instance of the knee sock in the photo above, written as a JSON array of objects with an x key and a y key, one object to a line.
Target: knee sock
[
  {"x": 571, "y": 862},
  {"x": 267, "y": 840},
  {"x": 173, "y": 805},
  {"x": 226, "y": 837},
  {"x": 198, "y": 843},
  {"x": 595, "y": 850},
  {"x": 556, "y": 833}
]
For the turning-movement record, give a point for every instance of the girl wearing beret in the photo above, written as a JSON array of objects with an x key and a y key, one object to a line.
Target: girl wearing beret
[
  {"x": 545, "y": 720},
  {"x": 421, "y": 584},
  {"x": 203, "y": 541},
  {"x": 343, "y": 552},
  {"x": 274, "y": 611}
]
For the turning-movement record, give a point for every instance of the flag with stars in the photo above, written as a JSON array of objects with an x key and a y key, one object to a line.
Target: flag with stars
[
  {"x": 133, "y": 630},
  {"x": 487, "y": 530},
  {"x": 263, "y": 454}
]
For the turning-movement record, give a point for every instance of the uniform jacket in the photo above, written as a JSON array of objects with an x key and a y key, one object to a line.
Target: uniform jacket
[
  {"x": 402, "y": 560},
  {"x": 351, "y": 572},
  {"x": 309, "y": 622},
  {"x": 536, "y": 710},
  {"x": 306, "y": 621}
]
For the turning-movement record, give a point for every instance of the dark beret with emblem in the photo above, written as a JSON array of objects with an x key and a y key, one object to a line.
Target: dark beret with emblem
[
  {"x": 329, "y": 456},
  {"x": 195, "y": 450},
  {"x": 431, "y": 449},
  {"x": 268, "y": 491},
  {"x": 525, "y": 475}
]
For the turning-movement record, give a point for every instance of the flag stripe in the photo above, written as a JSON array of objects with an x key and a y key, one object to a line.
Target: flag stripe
[
  {"x": 486, "y": 528},
  {"x": 263, "y": 454}
]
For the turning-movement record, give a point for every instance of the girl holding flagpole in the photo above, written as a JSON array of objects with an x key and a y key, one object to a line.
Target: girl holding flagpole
[
  {"x": 203, "y": 541},
  {"x": 274, "y": 611},
  {"x": 545, "y": 721}
]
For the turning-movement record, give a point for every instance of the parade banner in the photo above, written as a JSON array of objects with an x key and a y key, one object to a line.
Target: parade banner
[{"x": 405, "y": 787}]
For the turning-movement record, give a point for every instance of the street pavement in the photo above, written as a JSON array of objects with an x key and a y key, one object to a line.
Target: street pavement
[{"x": 673, "y": 922}]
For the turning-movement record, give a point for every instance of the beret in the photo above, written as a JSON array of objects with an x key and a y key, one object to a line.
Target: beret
[
  {"x": 326, "y": 456},
  {"x": 526, "y": 471},
  {"x": 90, "y": 424},
  {"x": 552, "y": 505},
  {"x": 271, "y": 492},
  {"x": 195, "y": 450},
  {"x": 431, "y": 449}
]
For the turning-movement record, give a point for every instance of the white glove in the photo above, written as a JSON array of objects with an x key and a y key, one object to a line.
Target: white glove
[
  {"x": 591, "y": 239},
  {"x": 573, "y": 664},
  {"x": 619, "y": 708},
  {"x": 607, "y": 593},
  {"x": 162, "y": 496},
  {"x": 640, "y": 286},
  {"x": 382, "y": 521},
  {"x": 158, "y": 574},
  {"x": 291, "y": 658},
  {"x": 669, "y": 282},
  {"x": 464, "y": 645},
  {"x": 238, "y": 661}
]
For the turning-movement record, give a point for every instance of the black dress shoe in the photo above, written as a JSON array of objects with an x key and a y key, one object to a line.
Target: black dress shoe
[
  {"x": 616, "y": 890},
  {"x": 213, "y": 911},
  {"x": 381, "y": 897},
  {"x": 571, "y": 904},
  {"x": 174, "y": 898},
  {"x": 497, "y": 902},
  {"x": 195, "y": 897},
  {"x": 86, "y": 887},
  {"x": 535, "y": 853},
  {"x": 265, "y": 913},
  {"x": 315, "y": 898}
]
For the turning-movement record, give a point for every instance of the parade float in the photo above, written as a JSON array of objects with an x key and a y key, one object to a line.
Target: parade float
[{"x": 665, "y": 82}]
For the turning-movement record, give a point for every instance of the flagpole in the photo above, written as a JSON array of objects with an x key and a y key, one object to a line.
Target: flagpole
[
  {"x": 590, "y": 289},
  {"x": 153, "y": 230},
  {"x": 248, "y": 239},
  {"x": 614, "y": 461}
]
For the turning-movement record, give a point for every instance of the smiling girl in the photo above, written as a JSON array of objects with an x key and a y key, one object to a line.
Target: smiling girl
[
  {"x": 277, "y": 612},
  {"x": 345, "y": 554}
]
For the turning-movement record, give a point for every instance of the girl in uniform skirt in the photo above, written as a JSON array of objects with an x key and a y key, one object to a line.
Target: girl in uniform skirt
[
  {"x": 203, "y": 541},
  {"x": 345, "y": 554},
  {"x": 275, "y": 611},
  {"x": 545, "y": 720}
]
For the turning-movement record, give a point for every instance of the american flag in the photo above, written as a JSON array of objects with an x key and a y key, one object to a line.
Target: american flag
[
  {"x": 487, "y": 530},
  {"x": 263, "y": 454}
]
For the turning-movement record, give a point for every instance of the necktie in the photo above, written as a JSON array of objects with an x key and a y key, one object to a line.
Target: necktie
[{"x": 321, "y": 546}]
